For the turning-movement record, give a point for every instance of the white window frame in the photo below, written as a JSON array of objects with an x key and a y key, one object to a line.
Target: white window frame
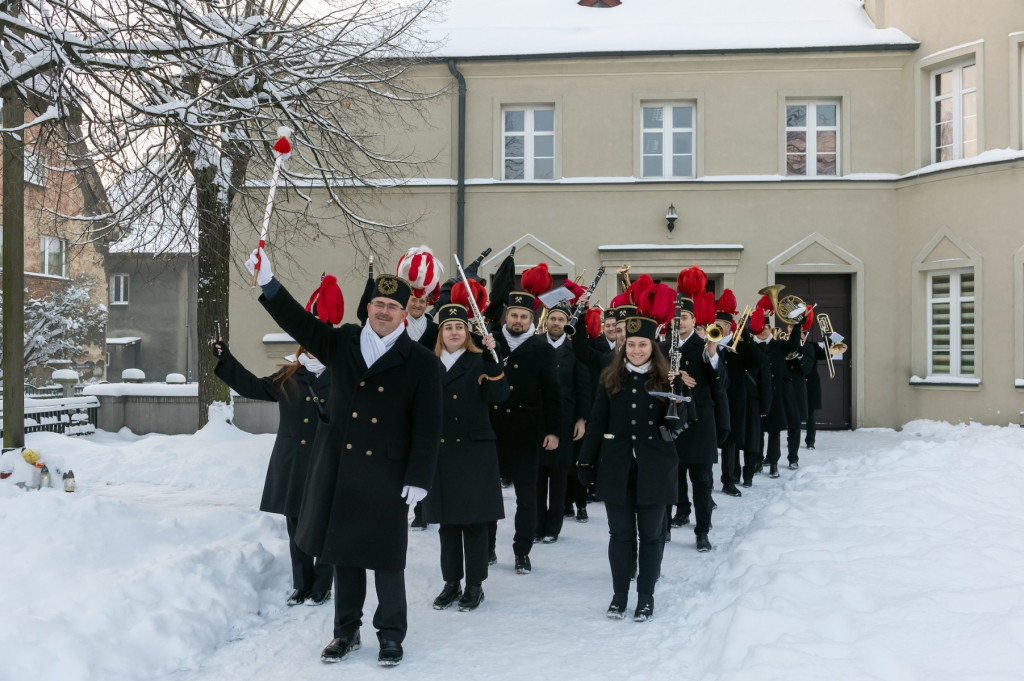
[
  {"x": 529, "y": 135},
  {"x": 35, "y": 170},
  {"x": 668, "y": 151},
  {"x": 955, "y": 323},
  {"x": 44, "y": 260},
  {"x": 119, "y": 289},
  {"x": 810, "y": 130},
  {"x": 957, "y": 96}
]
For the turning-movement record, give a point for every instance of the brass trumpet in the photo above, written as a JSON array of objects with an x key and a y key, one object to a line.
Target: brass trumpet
[
  {"x": 747, "y": 311},
  {"x": 713, "y": 333}
]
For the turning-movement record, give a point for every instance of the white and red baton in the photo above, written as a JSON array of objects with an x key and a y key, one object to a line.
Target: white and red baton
[{"x": 282, "y": 150}]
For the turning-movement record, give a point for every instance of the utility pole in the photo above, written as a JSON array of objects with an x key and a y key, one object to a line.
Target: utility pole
[{"x": 13, "y": 256}]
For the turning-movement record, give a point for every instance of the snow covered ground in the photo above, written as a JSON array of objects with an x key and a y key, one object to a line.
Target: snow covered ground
[{"x": 887, "y": 555}]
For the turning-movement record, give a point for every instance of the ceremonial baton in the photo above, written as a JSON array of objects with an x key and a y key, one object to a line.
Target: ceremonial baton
[
  {"x": 282, "y": 150},
  {"x": 477, "y": 317}
]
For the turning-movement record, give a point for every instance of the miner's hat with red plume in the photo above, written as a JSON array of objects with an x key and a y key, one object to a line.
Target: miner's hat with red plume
[
  {"x": 327, "y": 303},
  {"x": 659, "y": 303},
  {"x": 461, "y": 297},
  {"x": 594, "y": 321},
  {"x": 422, "y": 270},
  {"x": 762, "y": 311}
]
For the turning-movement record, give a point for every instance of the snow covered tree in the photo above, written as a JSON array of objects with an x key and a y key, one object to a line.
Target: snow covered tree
[
  {"x": 188, "y": 94},
  {"x": 60, "y": 322}
]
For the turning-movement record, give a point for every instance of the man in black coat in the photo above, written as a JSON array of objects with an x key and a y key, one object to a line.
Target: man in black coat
[
  {"x": 422, "y": 329},
  {"x": 783, "y": 402},
  {"x": 799, "y": 363},
  {"x": 817, "y": 352},
  {"x": 697, "y": 446},
  {"x": 527, "y": 422},
  {"x": 380, "y": 454},
  {"x": 576, "y": 402},
  {"x": 737, "y": 363}
]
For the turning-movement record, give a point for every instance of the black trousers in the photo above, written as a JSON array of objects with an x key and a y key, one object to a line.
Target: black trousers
[
  {"x": 308, "y": 574},
  {"x": 391, "y": 616},
  {"x": 774, "y": 451},
  {"x": 812, "y": 428},
  {"x": 793, "y": 444},
  {"x": 524, "y": 480},
  {"x": 730, "y": 464},
  {"x": 464, "y": 545},
  {"x": 701, "y": 480},
  {"x": 626, "y": 524},
  {"x": 575, "y": 493},
  {"x": 550, "y": 500}
]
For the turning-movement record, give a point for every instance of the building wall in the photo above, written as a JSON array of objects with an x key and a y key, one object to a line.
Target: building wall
[{"x": 739, "y": 219}]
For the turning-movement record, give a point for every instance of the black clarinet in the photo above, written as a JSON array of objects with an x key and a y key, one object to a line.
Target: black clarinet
[{"x": 581, "y": 305}]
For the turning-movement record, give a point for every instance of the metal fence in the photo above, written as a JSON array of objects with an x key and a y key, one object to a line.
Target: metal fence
[{"x": 48, "y": 391}]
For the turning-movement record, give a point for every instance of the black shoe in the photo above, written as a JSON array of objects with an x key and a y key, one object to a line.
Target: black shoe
[
  {"x": 492, "y": 558},
  {"x": 759, "y": 469},
  {"x": 679, "y": 519},
  {"x": 810, "y": 445},
  {"x": 773, "y": 472},
  {"x": 550, "y": 539},
  {"x": 538, "y": 539},
  {"x": 644, "y": 608},
  {"x": 506, "y": 483},
  {"x": 714, "y": 506},
  {"x": 567, "y": 513},
  {"x": 523, "y": 566},
  {"x": 338, "y": 649},
  {"x": 417, "y": 524},
  {"x": 731, "y": 490},
  {"x": 390, "y": 652},
  {"x": 747, "y": 482},
  {"x": 703, "y": 544},
  {"x": 318, "y": 597},
  {"x": 449, "y": 594},
  {"x": 793, "y": 465},
  {"x": 298, "y": 597},
  {"x": 581, "y": 516},
  {"x": 473, "y": 597},
  {"x": 617, "y": 608}
]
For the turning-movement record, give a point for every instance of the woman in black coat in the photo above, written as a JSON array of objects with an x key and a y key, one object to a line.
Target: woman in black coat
[
  {"x": 466, "y": 493},
  {"x": 300, "y": 390},
  {"x": 634, "y": 464}
]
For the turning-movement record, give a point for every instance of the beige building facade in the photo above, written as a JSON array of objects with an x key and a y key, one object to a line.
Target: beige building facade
[{"x": 882, "y": 179}]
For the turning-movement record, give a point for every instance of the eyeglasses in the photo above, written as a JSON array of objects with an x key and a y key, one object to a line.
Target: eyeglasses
[{"x": 390, "y": 307}]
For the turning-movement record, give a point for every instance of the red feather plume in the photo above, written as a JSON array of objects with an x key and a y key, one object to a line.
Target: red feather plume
[
  {"x": 595, "y": 322},
  {"x": 762, "y": 311},
  {"x": 638, "y": 288},
  {"x": 809, "y": 319},
  {"x": 621, "y": 299},
  {"x": 461, "y": 297},
  {"x": 537, "y": 280},
  {"x": 692, "y": 282},
  {"x": 576, "y": 289},
  {"x": 330, "y": 303},
  {"x": 727, "y": 302},
  {"x": 659, "y": 303}
]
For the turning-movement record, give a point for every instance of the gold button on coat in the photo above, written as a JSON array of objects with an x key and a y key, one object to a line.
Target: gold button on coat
[
  {"x": 373, "y": 420},
  {"x": 305, "y": 420},
  {"x": 380, "y": 388},
  {"x": 355, "y": 415},
  {"x": 302, "y": 442},
  {"x": 348, "y": 446},
  {"x": 308, "y": 398},
  {"x": 368, "y": 452}
]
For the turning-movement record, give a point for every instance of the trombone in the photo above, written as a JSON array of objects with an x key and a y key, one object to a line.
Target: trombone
[
  {"x": 747, "y": 311},
  {"x": 825, "y": 324}
]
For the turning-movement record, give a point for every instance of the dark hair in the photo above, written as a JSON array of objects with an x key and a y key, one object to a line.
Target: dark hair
[
  {"x": 614, "y": 375},
  {"x": 288, "y": 370}
]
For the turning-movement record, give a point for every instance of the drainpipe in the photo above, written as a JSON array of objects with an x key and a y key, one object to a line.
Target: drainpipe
[{"x": 460, "y": 196}]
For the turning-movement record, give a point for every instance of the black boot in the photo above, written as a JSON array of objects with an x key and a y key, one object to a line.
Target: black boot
[
  {"x": 523, "y": 566},
  {"x": 581, "y": 516},
  {"x": 644, "y": 608},
  {"x": 338, "y": 649},
  {"x": 298, "y": 597},
  {"x": 473, "y": 597},
  {"x": 449, "y": 594},
  {"x": 617, "y": 608},
  {"x": 703, "y": 543},
  {"x": 773, "y": 472},
  {"x": 731, "y": 490},
  {"x": 680, "y": 519},
  {"x": 492, "y": 557},
  {"x": 318, "y": 597},
  {"x": 390, "y": 652}
]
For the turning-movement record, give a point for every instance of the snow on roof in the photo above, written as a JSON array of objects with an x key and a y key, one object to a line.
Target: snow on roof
[
  {"x": 124, "y": 340},
  {"x": 471, "y": 28}
]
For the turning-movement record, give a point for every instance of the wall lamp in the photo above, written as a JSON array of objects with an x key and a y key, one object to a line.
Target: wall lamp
[{"x": 671, "y": 216}]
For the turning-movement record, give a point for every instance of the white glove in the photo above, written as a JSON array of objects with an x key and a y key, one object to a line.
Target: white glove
[
  {"x": 266, "y": 274},
  {"x": 413, "y": 495}
]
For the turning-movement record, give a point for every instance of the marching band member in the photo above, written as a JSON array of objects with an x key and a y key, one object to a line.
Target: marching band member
[
  {"x": 378, "y": 456},
  {"x": 527, "y": 422},
  {"x": 634, "y": 468},
  {"x": 466, "y": 494},
  {"x": 301, "y": 390}
]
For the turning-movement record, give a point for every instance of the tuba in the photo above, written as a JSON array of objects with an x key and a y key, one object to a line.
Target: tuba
[{"x": 789, "y": 310}]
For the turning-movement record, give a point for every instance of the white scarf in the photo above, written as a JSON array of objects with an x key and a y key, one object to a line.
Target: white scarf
[
  {"x": 373, "y": 346},
  {"x": 556, "y": 343},
  {"x": 448, "y": 359},
  {"x": 416, "y": 327},
  {"x": 312, "y": 364},
  {"x": 611, "y": 343},
  {"x": 515, "y": 341},
  {"x": 642, "y": 369}
]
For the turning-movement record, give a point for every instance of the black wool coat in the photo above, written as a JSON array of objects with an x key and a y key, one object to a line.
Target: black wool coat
[
  {"x": 623, "y": 429},
  {"x": 698, "y": 444},
  {"x": 384, "y": 432},
  {"x": 429, "y": 337},
  {"x": 297, "y": 398},
  {"x": 467, "y": 485},
  {"x": 759, "y": 397},
  {"x": 533, "y": 408},
  {"x": 783, "y": 403},
  {"x": 577, "y": 399},
  {"x": 816, "y": 353},
  {"x": 737, "y": 364}
]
